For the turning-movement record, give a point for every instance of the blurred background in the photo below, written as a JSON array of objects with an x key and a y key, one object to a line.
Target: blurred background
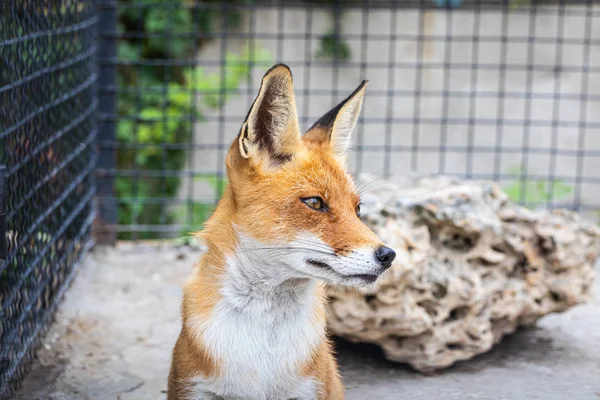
[{"x": 500, "y": 90}]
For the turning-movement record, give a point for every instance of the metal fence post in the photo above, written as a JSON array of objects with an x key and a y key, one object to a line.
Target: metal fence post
[{"x": 105, "y": 232}]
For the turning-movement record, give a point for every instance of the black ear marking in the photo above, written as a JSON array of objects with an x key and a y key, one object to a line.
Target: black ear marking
[
  {"x": 278, "y": 159},
  {"x": 327, "y": 121}
]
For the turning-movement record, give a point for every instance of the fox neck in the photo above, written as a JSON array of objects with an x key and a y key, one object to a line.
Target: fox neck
[{"x": 256, "y": 282}]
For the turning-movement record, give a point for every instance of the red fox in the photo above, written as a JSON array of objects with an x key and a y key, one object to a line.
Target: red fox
[{"x": 253, "y": 310}]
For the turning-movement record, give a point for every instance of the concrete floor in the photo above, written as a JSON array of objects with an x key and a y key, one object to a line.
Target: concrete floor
[{"x": 114, "y": 332}]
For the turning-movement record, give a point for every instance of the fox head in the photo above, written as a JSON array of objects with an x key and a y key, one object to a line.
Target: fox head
[{"x": 296, "y": 208}]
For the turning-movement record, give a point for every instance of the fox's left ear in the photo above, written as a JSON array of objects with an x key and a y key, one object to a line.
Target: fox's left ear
[
  {"x": 337, "y": 125},
  {"x": 270, "y": 134}
]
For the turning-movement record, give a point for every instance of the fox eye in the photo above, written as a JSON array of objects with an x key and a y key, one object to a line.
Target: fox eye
[
  {"x": 316, "y": 203},
  {"x": 358, "y": 210}
]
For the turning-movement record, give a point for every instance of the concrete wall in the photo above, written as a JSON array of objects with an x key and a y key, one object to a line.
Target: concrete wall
[{"x": 495, "y": 141}]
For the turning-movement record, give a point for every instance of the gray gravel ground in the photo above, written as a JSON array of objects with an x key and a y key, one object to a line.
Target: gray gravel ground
[{"x": 114, "y": 332}]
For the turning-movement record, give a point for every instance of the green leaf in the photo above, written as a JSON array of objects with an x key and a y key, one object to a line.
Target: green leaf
[
  {"x": 181, "y": 98},
  {"x": 194, "y": 219},
  {"x": 333, "y": 45},
  {"x": 515, "y": 4},
  {"x": 145, "y": 134},
  {"x": 128, "y": 51},
  {"x": 125, "y": 130},
  {"x": 561, "y": 190},
  {"x": 513, "y": 191},
  {"x": 536, "y": 192}
]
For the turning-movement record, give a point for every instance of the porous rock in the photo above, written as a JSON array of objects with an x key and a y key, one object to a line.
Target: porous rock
[{"x": 472, "y": 267}]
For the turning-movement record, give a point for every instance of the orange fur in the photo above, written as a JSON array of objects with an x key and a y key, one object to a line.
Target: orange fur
[
  {"x": 201, "y": 294},
  {"x": 322, "y": 364},
  {"x": 269, "y": 173}
]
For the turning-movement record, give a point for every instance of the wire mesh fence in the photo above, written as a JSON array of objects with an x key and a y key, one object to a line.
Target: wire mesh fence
[
  {"x": 500, "y": 90},
  {"x": 47, "y": 134}
]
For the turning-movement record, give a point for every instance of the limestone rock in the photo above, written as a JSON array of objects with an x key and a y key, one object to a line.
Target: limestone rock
[{"x": 472, "y": 267}]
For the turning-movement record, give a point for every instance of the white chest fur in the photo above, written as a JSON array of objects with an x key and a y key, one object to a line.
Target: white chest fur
[{"x": 262, "y": 331}]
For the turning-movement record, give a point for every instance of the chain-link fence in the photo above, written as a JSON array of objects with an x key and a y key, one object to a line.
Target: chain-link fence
[
  {"x": 500, "y": 90},
  {"x": 47, "y": 103}
]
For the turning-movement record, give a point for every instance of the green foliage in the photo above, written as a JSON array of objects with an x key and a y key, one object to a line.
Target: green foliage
[
  {"x": 193, "y": 215},
  {"x": 515, "y": 4},
  {"x": 332, "y": 44},
  {"x": 536, "y": 192},
  {"x": 176, "y": 27},
  {"x": 159, "y": 103},
  {"x": 167, "y": 119}
]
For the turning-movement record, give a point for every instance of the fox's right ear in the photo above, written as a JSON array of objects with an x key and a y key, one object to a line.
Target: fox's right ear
[
  {"x": 335, "y": 127},
  {"x": 270, "y": 134}
]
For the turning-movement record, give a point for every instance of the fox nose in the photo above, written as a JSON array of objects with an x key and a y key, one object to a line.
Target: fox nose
[{"x": 385, "y": 256}]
